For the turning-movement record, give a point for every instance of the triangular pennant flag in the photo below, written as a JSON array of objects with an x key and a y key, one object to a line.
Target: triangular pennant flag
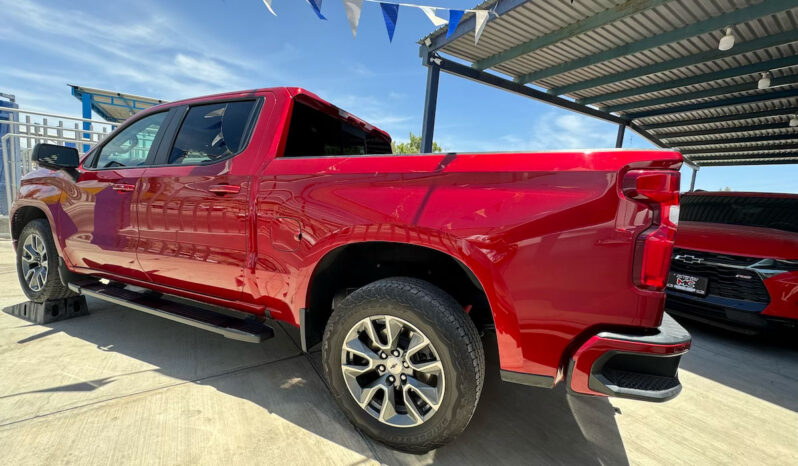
[
  {"x": 353, "y": 9},
  {"x": 268, "y": 4},
  {"x": 430, "y": 12},
  {"x": 390, "y": 11},
  {"x": 454, "y": 20},
  {"x": 481, "y": 21},
  {"x": 316, "y": 5}
]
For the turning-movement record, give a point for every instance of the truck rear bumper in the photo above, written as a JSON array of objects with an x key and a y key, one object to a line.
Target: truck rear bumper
[{"x": 642, "y": 367}]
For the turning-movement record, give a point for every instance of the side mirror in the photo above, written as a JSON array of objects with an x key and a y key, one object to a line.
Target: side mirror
[{"x": 55, "y": 157}]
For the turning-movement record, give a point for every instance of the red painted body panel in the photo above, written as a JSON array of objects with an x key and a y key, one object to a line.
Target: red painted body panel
[
  {"x": 783, "y": 291},
  {"x": 751, "y": 242},
  {"x": 737, "y": 240},
  {"x": 98, "y": 224},
  {"x": 550, "y": 236},
  {"x": 189, "y": 235},
  {"x": 551, "y": 242}
]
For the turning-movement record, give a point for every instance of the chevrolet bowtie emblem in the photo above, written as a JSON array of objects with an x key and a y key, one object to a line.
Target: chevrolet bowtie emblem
[{"x": 688, "y": 259}]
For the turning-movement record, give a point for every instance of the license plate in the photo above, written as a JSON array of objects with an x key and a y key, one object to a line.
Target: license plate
[{"x": 688, "y": 283}]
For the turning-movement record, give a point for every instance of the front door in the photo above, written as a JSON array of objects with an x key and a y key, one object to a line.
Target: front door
[
  {"x": 99, "y": 221},
  {"x": 194, "y": 206}
]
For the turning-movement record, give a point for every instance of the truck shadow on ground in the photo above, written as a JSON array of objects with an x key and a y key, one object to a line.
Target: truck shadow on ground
[
  {"x": 516, "y": 424},
  {"x": 512, "y": 424},
  {"x": 764, "y": 366}
]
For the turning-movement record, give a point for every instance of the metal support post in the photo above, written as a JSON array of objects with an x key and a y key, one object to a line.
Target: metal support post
[
  {"x": 430, "y": 106},
  {"x": 619, "y": 138}
]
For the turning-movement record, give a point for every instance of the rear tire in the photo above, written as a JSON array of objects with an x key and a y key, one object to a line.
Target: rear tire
[
  {"x": 37, "y": 263},
  {"x": 418, "y": 385}
]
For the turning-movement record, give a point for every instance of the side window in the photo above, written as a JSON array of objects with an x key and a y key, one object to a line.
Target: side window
[
  {"x": 313, "y": 133},
  {"x": 131, "y": 147},
  {"x": 212, "y": 132}
]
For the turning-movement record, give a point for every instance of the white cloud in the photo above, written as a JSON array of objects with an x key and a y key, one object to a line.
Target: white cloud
[
  {"x": 145, "y": 51},
  {"x": 548, "y": 131},
  {"x": 361, "y": 70},
  {"x": 203, "y": 69},
  {"x": 374, "y": 110},
  {"x": 568, "y": 131}
]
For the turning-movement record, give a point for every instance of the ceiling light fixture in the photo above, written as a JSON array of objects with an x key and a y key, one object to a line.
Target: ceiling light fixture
[
  {"x": 764, "y": 81},
  {"x": 727, "y": 41}
]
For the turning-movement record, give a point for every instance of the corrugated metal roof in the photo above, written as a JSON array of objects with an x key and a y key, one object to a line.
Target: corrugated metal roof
[
  {"x": 114, "y": 106},
  {"x": 653, "y": 62}
]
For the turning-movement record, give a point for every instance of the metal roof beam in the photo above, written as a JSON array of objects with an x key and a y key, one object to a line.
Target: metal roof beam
[
  {"x": 716, "y": 103},
  {"x": 647, "y": 134},
  {"x": 732, "y": 130},
  {"x": 672, "y": 99},
  {"x": 591, "y": 22},
  {"x": 702, "y": 27},
  {"x": 127, "y": 103},
  {"x": 779, "y": 139},
  {"x": 775, "y": 155},
  {"x": 670, "y": 125},
  {"x": 101, "y": 111},
  {"x": 467, "y": 25},
  {"x": 729, "y": 155},
  {"x": 745, "y": 161},
  {"x": 666, "y": 65},
  {"x": 492, "y": 80},
  {"x": 690, "y": 80},
  {"x": 728, "y": 150}
]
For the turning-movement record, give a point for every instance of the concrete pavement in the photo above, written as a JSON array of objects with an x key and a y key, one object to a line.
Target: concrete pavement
[{"x": 123, "y": 387}]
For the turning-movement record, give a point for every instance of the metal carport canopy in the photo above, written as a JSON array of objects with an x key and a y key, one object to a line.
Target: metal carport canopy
[
  {"x": 112, "y": 106},
  {"x": 652, "y": 65}
]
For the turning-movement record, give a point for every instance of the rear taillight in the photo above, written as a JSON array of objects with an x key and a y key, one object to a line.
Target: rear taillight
[{"x": 659, "y": 190}]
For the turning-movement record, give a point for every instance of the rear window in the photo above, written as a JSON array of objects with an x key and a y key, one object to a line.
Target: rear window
[
  {"x": 780, "y": 213},
  {"x": 313, "y": 132},
  {"x": 212, "y": 132}
]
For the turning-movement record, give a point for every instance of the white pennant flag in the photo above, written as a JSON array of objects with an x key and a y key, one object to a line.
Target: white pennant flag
[
  {"x": 353, "y": 9},
  {"x": 430, "y": 12},
  {"x": 268, "y": 4},
  {"x": 481, "y": 21}
]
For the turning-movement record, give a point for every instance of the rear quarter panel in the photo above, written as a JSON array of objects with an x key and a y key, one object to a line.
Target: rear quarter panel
[{"x": 548, "y": 236}]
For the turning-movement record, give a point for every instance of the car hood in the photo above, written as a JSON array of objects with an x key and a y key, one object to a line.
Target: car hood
[{"x": 737, "y": 240}]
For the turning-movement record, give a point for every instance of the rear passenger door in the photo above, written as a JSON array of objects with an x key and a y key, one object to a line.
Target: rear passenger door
[{"x": 194, "y": 203}]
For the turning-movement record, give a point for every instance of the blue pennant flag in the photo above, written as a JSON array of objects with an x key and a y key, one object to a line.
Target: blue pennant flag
[
  {"x": 316, "y": 5},
  {"x": 390, "y": 11},
  {"x": 454, "y": 20}
]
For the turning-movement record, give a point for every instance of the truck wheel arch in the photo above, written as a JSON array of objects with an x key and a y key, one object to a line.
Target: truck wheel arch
[
  {"x": 30, "y": 209},
  {"x": 23, "y": 215},
  {"x": 353, "y": 265}
]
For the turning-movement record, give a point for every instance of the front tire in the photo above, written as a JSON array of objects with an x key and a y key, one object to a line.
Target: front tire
[
  {"x": 405, "y": 363},
  {"x": 37, "y": 263}
]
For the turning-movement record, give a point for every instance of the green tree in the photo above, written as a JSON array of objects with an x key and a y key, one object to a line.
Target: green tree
[{"x": 413, "y": 146}]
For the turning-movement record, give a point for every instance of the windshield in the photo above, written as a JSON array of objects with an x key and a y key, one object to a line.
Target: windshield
[{"x": 779, "y": 212}]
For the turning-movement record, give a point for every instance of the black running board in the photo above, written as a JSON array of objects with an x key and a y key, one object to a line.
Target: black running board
[{"x": 249, "y": 330}]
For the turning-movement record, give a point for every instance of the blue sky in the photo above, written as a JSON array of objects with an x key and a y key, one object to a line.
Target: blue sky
[{"x": 177, "y": 49}]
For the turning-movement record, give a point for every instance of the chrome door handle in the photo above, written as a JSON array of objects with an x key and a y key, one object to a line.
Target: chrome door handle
[
  {"x": 123, "y": 187},
  {"x": 224, "y": 189}
]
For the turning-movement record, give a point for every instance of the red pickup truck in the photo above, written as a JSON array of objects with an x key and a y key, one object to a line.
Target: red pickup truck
[{"x": 270, "y": 205}]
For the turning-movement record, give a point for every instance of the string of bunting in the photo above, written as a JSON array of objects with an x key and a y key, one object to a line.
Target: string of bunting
[{"x": 390, "y": 12}]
